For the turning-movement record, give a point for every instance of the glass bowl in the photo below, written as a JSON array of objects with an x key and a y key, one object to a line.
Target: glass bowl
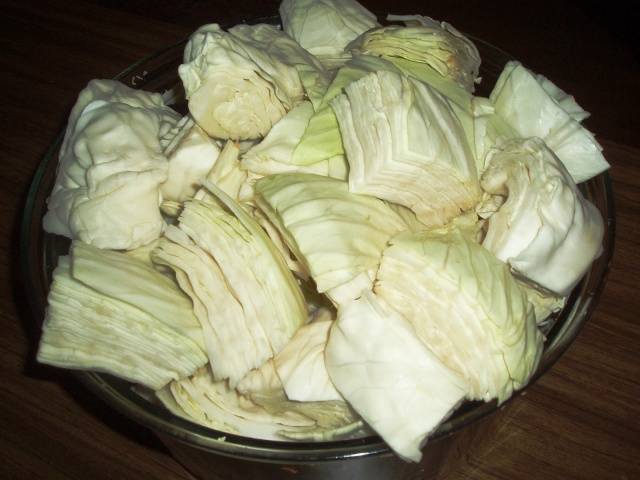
[{"x": 214, "y": 454}]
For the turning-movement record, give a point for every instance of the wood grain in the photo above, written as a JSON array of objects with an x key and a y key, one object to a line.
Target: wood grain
[{"x": 580, "y": 421}]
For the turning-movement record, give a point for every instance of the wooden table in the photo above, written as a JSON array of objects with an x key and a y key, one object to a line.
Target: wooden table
[{"x": 580, "y": 421}]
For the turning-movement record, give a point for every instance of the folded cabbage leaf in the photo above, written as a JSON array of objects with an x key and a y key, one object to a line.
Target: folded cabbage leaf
[{"x": 274, "y": 154}]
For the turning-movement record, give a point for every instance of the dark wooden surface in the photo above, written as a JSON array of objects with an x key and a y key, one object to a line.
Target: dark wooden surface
[{"x": 580, "y": 421}]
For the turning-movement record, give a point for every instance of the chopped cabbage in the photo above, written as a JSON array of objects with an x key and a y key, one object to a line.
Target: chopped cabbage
[
  {"x": 107, "y": 190},
  {"x": 438, "y": 45},
  {"x": 398, "y": 386},
  {"x": 405, "y": 144},
  {"x": 300, "y": 364},
  {"x": 89, "y": 329},
  {"x": 465, "y": 306},
  {"x": 546, "y": 230},
  {"x": 337, "y": 235},
  {"x": 245, "y": 297},
  {"x": 240, "y": 83},
  {"x": 308, "y": 21},
  {"x": 535, "y": 107}
]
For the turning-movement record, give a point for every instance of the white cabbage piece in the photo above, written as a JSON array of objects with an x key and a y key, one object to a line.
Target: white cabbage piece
[
  {"x": 397, "y": 384},
  {"x": 86, "y": 329},
  {"x": 309, "y": 21},
  {"x": 300, "y": 364},
  {"x": 281, "y": 47},
  {"x": 535, "y": 107},
  {"x": 545, "y": 230},
  {"x": 405, "y": 144},
  {"x": 265, "y": 414},
  {"x": 322, "y": 139},
  {"x": 240, "y": 83},
  {"x": 191, "y": 154},
  {"x": 337, "y": 235},
  {"x": 466, "y": 306},
  {"x": 245, "y": 297},
  {"x": 438, "y": 45},
  {"x": 107, "y": 189},
  {"x": 121, "y": 276}
]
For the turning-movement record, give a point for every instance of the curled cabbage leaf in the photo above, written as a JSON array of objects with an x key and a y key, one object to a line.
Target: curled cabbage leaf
[
  {"x": 95, "y": 324},
  {"x": 535, "y": 107},
  {"x": 398, "y": 386},
  {"x": 107, "y": 189},
  {"x": 274, "y": 154},
  {"x": 405, "y": 144},
  {"x": 308, "y": 21},
  {"x": 337, "y": 235},
  {"x": 466, "y": 306},
  {"x": 545, "y": 230}
]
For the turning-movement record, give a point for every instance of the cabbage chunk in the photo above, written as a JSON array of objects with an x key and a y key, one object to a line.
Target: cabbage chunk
[
  {"x": 405, "y": 144},
  {"x": 545, "y": 230},
  {"x": 398, "y": 386},
  {"x": 466, "y": 306},
  {"x": 103, "y": 326},
  {"x": 535, "y": 107},
  {"x": 246, "y": 299},
  {"x": 337, "y": 235}
]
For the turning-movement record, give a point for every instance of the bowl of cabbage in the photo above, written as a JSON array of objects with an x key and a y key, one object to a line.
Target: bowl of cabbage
[{"x": 254, "y": 289}]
